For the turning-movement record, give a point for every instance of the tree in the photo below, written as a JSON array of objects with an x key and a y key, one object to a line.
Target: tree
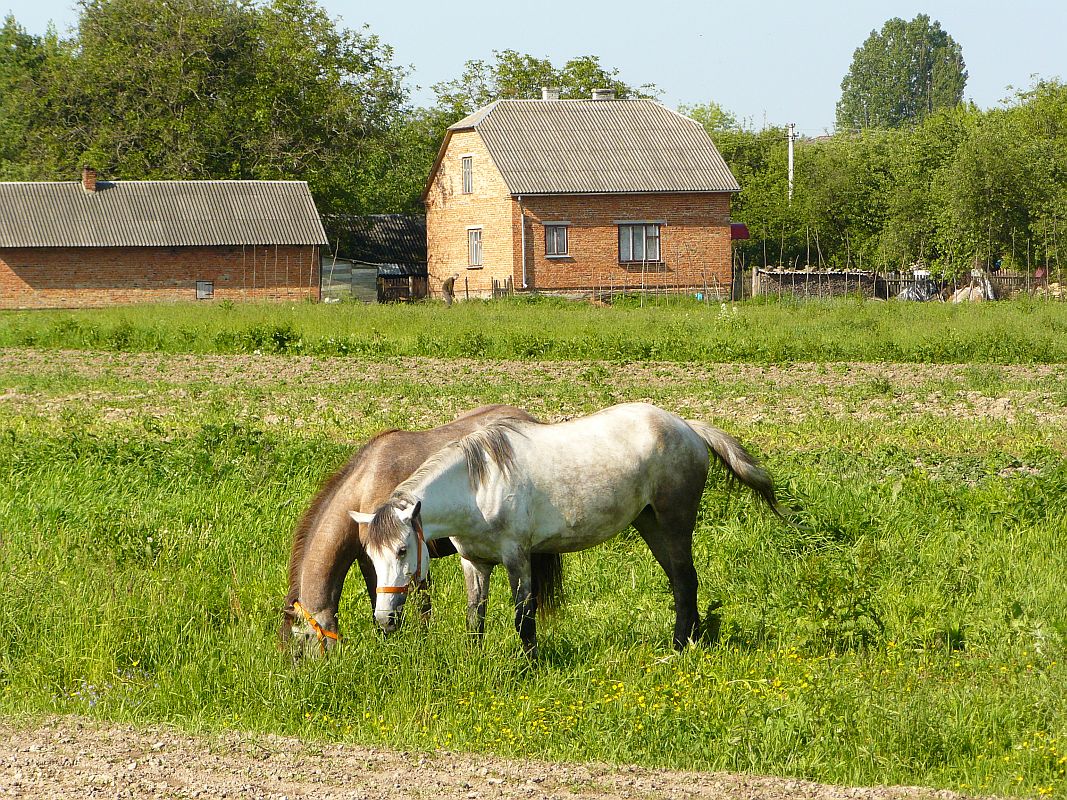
[
  {"x": 900, "y": 75},
  {"x": 212, "y": 89},
  {"x": 991, "y": 190},
  {"x": 712, "y": 116},
  {"x": 151, "y": 87},
  {"x": 26, "y": 64},
  {"x": 322, "y": 105},
  {"x": 514, "y": 75}
]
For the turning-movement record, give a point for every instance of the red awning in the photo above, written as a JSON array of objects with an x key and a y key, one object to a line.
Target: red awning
[{"x": 738, "y": 230}]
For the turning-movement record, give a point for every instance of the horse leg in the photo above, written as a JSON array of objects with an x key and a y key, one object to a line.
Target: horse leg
[
  {"x": 672, "y": 547},
  {"x": 519, "y": 576},
  {"x": 476, "y": 576}
]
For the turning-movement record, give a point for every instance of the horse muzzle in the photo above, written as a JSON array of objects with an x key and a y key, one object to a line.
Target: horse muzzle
[{"x": 388, "y": 620}]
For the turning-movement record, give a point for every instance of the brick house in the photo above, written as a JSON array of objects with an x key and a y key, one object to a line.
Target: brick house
[
  {"x": 579, "y": 196},
  {"x": 95, "y": 243}
]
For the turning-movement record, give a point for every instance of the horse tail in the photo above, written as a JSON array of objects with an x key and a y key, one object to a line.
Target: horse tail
[
  {"x": 546, "y": 570},
  {"x": 741, "y": 465}
]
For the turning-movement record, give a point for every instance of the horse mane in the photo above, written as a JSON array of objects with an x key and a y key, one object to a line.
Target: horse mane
[
  {"x": 386, "y": 526},
  {"x": 310, "y": 518},
  {"x": 488, "y": 444},
  {"x": 477, "y": 447}
]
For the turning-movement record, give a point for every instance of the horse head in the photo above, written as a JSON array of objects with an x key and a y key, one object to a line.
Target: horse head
[
  {"x": 305, "y": 633},
  {"x": 396, "y": 545}
]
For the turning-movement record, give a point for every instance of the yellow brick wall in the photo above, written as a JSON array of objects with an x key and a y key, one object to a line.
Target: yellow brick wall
[{"x": 449, "y": 214}]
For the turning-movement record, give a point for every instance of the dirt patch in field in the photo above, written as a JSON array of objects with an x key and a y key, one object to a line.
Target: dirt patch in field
[
  {"x": 295, "y": 391},
  {"x": 308, "y": 370},
  {"x": 73, "y": 758}
]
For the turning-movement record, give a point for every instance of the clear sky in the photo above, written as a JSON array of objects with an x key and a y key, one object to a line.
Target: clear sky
[{"x": 768, "y": 62}]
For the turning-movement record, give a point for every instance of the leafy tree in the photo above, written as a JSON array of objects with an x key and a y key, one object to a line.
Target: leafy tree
[
  {"x": 712, "y": 116},
  {"x": 152, "y": 89},
  {"x": 322, "y": 105},
  {"x": 900, "y": 75},
  {"x": 514, "y": 75},
  {"x": 26, "y": 63},
  {"x": 991, "y": 190},
  {"x": 918, "y": 157}
]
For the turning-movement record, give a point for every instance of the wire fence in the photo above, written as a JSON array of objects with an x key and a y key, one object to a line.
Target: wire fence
[{"x": 813, "y": 284}]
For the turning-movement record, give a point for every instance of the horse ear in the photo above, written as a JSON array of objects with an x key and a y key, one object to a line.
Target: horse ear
[
  {"x": 360, "y": 517},
  {"x": 408, "y": 513}
]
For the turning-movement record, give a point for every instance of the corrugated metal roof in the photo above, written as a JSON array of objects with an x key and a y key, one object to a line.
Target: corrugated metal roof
[
  {"x": 158, "y": 214},
  {"x": 598, "y": 146},
  {"x": 380, "y": 238},
  {"x": 472, "y": 120}
]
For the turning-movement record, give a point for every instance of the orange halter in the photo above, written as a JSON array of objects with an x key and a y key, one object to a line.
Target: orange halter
[
  {"x": 320, "y": 631},
  {"x": 417, "y": 577}
]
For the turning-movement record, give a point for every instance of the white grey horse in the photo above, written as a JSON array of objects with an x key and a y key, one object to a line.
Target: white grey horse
[{"x": 514, "y": 489}]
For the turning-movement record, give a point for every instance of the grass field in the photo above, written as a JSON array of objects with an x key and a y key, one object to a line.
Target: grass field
[
  {"x": 852, "y": 330},
  {"x": 913, "y": 631}
]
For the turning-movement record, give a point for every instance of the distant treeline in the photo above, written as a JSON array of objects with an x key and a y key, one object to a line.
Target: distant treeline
[
  {"x": 147, "y": 89},
  {"x": 965, "y": 187}
]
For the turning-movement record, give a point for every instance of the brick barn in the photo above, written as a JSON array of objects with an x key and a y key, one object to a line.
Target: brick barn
[
  {"x": 579, "y": 196},
  {"x": 96, "y": 243}
]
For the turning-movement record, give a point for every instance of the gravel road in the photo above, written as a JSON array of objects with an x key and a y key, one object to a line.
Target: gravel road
[{"x": 76, "y": 758}]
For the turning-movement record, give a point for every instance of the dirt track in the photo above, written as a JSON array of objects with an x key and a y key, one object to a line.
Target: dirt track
[{"x": 73, "y": 758}]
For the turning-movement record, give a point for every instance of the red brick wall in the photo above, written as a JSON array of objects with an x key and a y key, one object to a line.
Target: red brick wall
[
  {"x": 58, "y": 277},
  {"x": 695, "y": 249}
]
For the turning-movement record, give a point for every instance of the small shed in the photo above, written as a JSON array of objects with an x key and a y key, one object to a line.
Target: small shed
[{"x": 378, "y": 257}]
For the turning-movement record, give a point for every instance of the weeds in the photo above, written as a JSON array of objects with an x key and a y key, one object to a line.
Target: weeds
[{"x": 544, "y": 328}]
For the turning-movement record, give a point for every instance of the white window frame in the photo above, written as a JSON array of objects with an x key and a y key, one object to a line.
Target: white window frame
[
  {"x": 205, "y": 290},
  {"x": 466, "y": 170},
  {"x": 649, "y": 234},
  {"x": 553, "y": 230},
  {"x": 474, "y": 248}
]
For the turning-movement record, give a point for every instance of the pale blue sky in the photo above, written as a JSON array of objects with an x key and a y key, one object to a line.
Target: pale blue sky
[{"x": 768, "y": 62}]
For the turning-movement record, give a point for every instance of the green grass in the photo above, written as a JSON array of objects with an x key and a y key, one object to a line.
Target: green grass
[
  {"x": 912, "y": 631},
  {"x": 770, "y": 332}
]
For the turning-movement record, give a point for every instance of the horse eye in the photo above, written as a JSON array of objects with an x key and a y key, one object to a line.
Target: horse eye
[{"x": 402, "y": 552}]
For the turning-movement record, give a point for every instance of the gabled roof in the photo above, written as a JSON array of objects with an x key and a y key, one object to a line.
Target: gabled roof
[
  {"x": 158, "y": 214},
  {"x": 380, "y": 238},
  {"x": 598, "y": 146}
]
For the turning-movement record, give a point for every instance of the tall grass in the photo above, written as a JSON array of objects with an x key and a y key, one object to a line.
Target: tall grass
[
  {"x": 1016, "y": 332},
  {"x": 910, "y": 630}
]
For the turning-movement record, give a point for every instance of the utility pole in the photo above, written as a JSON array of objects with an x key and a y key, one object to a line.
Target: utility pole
[{"x": 791, "y": 135}]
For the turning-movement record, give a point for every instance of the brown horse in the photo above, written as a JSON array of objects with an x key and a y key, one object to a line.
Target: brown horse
[{"x": 326, "y": 541}]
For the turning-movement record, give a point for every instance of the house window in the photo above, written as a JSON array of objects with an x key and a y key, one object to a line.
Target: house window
[
  {"x": 205, "y": 290},
  {"x": 555, "y": 240},
  {"x": 467, "y": 168},
  {"x": 639, "y": 242},
  {"x": 474, "y": 247}
]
